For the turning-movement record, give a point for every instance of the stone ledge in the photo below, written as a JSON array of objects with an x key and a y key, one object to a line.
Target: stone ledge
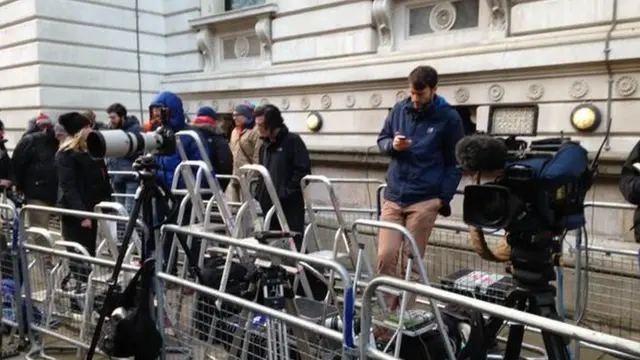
[
  {"x": 231, "y": 16},
  {"x": 525, "y": 52},
  {"x": 610, "y": 163}
]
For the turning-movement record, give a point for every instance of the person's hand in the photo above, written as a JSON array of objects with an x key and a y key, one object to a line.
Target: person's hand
[
  {"x": 400, "y": 143},
  {"x": 86, "y": 223},
  {"x": 439, "y": 204}
]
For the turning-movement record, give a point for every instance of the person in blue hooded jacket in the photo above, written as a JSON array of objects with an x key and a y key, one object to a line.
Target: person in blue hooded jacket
[
  {"x": 419, "y": 135},
  {"x": 177, "y": 122},
  {"x": 168, "y": 163}
]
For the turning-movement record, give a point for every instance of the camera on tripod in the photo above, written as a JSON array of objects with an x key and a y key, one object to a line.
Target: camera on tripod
[
  {"x": 537, "y": 198},
  {"x": 540, "y": 188},
  {"x": 119, "y": 143}
]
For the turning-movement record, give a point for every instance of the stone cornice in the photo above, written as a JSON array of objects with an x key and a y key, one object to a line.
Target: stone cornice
[
  {"x": 497, "y": 76},
  {"x": 254, "y": 12},
  {"x": 379, "y": 66}
]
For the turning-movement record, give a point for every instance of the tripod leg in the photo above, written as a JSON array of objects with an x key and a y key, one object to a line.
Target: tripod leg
[
  {"x": 302, "y": 340},
  {"x": 133, "y": 217},
  {"x": 514, "y": 342},
  {"x": 555, "y": 345}
]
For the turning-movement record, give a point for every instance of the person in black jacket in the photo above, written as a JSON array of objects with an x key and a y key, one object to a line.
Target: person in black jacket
[
  {"x": 630, "y": 185},
  {"x": 6, "y": 169},
  {"x": 285, "y": 155},
  {"x": 35, "y": 175},
  {"x": 219, "y": 149},
  {"x": 83, "y": 181},
  {"x": 37, "y": 124}
]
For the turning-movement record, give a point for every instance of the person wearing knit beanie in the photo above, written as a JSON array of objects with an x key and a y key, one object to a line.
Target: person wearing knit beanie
[
  {"x": 245, "y": 144},
  {"x": 43, "y": 121},
  {"x": 73, "y": 122},
  {"x": 59, "y": 132},
  {"x": 220, "y": 153},
  {"x": 246, "y": 111},
  {"x": 206, "y": 115}
]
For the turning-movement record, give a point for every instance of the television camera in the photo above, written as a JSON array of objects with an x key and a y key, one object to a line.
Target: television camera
[
  {"x": 536, "y": 198},
  {"x": 122, "y": 144}
]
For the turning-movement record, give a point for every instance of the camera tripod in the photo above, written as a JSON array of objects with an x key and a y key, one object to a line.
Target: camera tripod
[
  {"x": 273, "y": 291},
  {"x": 532, "y": 258},
  {"x": 147, "y": 191}
]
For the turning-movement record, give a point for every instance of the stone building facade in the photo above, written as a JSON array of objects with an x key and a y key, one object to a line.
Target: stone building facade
[{"x": 346, "y": 60}]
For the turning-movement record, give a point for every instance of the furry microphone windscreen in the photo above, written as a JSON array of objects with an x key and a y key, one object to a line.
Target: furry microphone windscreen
[{"x": 481, "y": 153}]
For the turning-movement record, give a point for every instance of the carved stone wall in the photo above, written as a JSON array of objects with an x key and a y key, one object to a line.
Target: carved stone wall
[{"x": 353, "y": 118}]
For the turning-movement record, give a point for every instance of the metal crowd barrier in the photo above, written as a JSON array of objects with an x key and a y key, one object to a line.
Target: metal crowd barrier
[
  {"x": 194, "y": 330},
  {"x": 616, "y": 295},
  {"x": 65, "y": 287},
  {"x": 612, "y": 343},
  {"x": 51, "y": 278},
  {"x": 12, "y": 320}
]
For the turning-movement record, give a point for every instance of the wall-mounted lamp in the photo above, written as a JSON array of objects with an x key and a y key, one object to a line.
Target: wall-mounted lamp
[
  {"x": 586, "y": 118},
  {"x": 314, "y": 121}
]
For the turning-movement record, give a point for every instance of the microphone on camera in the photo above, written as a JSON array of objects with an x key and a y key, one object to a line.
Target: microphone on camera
[{"x": 481, "y": 153}]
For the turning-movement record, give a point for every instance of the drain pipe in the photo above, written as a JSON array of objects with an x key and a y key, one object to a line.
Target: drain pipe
[
  {"x": 607, "y": 63},
  {"x": 139, "y": 62}
]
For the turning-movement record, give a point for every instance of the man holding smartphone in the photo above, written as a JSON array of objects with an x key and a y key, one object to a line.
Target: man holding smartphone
[{"x": 419, "y": 135}]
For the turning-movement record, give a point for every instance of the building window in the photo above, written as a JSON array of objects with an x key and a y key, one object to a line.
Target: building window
[
  {"x": 443, "y": 16},
  {"x": 240, "y": 47},
  {"x": 241, "y": 4}
]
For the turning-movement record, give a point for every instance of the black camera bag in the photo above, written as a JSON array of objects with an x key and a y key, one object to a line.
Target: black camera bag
[{"x": 136, "y": 335}]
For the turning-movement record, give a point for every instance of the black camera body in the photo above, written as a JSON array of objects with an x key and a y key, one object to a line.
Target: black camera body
[
  {"x": 122, "y": 144},
  {"x": 537, "y": 191}
]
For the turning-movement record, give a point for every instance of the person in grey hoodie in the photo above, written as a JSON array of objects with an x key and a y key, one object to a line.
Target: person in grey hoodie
[{"x": 123, "y": 184}]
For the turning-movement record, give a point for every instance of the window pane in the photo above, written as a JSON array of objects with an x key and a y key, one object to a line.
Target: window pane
[
  {"x": 239, "y": 4},
  {"x": 467, "y": 12},
  {"x": 466, "y": 16},
  {"x": 419, "y": 20}
]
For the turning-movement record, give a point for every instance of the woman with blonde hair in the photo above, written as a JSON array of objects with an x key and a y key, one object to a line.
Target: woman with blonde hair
[{"x": 83, "y": 181}]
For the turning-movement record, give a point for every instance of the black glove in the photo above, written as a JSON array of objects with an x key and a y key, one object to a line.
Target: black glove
[{"x": 445, "y": 210}]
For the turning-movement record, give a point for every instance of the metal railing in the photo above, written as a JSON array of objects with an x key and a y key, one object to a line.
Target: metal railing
[{"x": 609, "y": 342}]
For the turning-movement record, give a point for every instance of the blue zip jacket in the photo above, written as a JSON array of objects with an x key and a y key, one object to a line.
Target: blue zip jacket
[
  {"x": 427, "y": 169},
  {"x": 130, "y": 124},
  {"x": 169, "y": 163}
]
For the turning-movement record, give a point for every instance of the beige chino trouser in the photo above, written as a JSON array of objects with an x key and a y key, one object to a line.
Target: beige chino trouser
[{"x": 394, "y": 250}]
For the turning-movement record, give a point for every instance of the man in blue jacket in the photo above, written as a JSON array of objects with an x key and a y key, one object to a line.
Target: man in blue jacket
[
  {"x": 168, "y": 163},
  {"x": 419, "y": 135}
]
